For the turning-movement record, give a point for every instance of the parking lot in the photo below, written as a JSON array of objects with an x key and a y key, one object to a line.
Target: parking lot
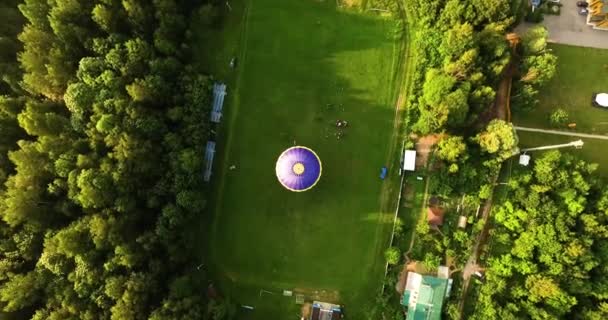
[{"x": 570, "y": 28}]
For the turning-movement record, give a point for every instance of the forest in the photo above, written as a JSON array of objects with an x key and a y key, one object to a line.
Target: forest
[
  {"x": 549, "y": 247},
  {"x": 103, "y": 122}
]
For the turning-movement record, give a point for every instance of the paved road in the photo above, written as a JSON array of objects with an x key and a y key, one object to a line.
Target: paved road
[
  {"x": 570, "y": 28},
  {"x": 563, "y": 133}
]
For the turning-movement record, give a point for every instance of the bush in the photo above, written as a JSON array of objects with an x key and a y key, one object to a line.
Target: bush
[
  {"x": 485, "y": 192},
  {"x": 535, "y": 16},
  {"x": 559, "y": 118},
  {"x": 392, "y": 255},
  {"x": 398, "y": 227},
  {"x": 554, "y": 9}
]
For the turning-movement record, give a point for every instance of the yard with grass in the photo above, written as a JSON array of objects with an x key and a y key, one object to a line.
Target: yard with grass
[
  {"x": 303, "y": 65},
  {"x": 594, "y": 150},
  {"x": 581, "y": 72}
]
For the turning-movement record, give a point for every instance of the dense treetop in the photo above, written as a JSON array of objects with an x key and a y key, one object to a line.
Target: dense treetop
[
  {"x": 549, "y": 246},
  {"x": 100, "y": 159}
]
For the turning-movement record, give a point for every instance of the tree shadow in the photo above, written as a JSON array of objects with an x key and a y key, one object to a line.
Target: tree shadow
[{"x": 305, "y": 65}]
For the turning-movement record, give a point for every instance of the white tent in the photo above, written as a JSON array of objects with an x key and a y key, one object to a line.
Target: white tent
[
  {"x": 602, "y": 99},
  {"x": 409, "y": 160}
]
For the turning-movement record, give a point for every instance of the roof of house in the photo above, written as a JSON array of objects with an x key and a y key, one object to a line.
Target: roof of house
[
  {"x": 435, "y": 215},
  {"x": 424, "y": 296}
]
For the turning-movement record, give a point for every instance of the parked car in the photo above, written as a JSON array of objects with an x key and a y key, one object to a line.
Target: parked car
[
  {"x": 554, "y": 1},
  {"x": 582, "y": 4},
  {"x": 383, "y": 173},
  {"x": 583, "y": 11}
]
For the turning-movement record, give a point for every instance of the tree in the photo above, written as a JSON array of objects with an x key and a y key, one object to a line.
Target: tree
[
  {"x": 451, "y": 148},
  {"x": 539, "y": 69},
  {"x": 91, "y": 228},
  {"x": 392, "y": 255},
  {"x": 20, "y": 291},
  {"x": 525, "y": 97},
  {"x": 558, "y": 118},
  {"x": 499, "y": 138},
  {"x": 535, "y": 40}
]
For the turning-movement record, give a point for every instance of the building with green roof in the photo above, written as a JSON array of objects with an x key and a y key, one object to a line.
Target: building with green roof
[{"x": 424, "y": 296}]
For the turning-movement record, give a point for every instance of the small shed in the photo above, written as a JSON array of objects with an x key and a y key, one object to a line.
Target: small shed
[
  {"x": 524, "y": 160},
  {"x": 462, "y": 222},
  {"x": 409, "y": 160}
]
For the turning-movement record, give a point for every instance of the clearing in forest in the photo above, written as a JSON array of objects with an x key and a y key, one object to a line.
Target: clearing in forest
[
  {"x": 581, "y": 72},
  {"x": 304, "y": 65}
]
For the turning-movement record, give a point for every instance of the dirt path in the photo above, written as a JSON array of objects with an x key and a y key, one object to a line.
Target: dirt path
[
  {"x": 563, "y": 133},
  {"x": 501, "y": 108},
  {"x": 472, "y": 265}
]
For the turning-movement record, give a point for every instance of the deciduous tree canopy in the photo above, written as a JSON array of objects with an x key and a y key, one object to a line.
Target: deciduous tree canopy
[
  {"x": 551, "y": 237},
  {"x": 100, "y": 159}
]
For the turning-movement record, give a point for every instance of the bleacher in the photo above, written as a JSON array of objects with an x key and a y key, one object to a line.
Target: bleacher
[
  {"x": 325, "y": 311},
  {"x": 219, "y": 92},
  {"x": 209, "y": 154}
]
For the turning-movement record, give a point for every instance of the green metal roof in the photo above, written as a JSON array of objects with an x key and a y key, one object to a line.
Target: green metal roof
[{"x": 431, "y": 293}]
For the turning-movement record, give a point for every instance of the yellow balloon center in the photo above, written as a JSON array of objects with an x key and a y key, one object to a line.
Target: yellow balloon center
[{"x": 298, "y": 168}]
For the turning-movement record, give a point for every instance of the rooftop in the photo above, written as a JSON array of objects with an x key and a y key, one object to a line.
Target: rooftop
[{"x": 424, "y": 296}]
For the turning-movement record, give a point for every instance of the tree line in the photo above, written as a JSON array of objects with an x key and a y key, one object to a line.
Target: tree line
[{"x": 104, "y": 122}]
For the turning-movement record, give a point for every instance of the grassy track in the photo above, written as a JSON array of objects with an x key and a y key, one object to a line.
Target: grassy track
[
  {"x": 580, "y": 73},
  {"x": 297, "y": 57}
]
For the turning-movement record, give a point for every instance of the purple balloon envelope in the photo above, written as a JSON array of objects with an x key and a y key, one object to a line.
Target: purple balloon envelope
[{"x": 298, "y": 169}]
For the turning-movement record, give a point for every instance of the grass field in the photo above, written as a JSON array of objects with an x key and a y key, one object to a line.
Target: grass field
[
  {"x": 580, "y": 73},
  {"x": 296, "y": 57},
  {"x": 593, "y": 151}
]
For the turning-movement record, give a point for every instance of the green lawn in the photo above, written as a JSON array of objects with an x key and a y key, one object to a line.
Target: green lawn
[
  {"x": 297, "y": 57},
  {"x": 594, "y": 150},
  {"x": 580, "y": 73}
]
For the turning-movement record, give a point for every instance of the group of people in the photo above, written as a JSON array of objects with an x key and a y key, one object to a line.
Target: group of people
[{"x": 340, "y": 124}]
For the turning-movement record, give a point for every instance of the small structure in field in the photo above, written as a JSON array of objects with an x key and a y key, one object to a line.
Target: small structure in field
[
  {"x": 462, "y": 222},
  {"x": 601, "y": 99},
  {"x": 409, "y": 160},
  {"x": 524, "y": 160},
  {"x": 325, "y": 311}
]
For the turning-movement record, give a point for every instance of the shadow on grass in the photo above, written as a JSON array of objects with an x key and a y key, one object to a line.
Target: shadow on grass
[{"x": 305, "y": 66}]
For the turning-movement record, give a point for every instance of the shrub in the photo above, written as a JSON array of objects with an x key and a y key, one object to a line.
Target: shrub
[
  {"x": 392, "y": 255},
  {"x": 559, "y": 117},
  {"x": 535, "y": 16},
  {"x": 485, "y": 191}
]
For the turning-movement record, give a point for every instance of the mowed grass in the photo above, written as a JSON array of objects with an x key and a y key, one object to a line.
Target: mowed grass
[
  {"x": 297, "y": 57},
  {"x": 581, "y": 72},
  {"x": 594, "y": 150}
]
